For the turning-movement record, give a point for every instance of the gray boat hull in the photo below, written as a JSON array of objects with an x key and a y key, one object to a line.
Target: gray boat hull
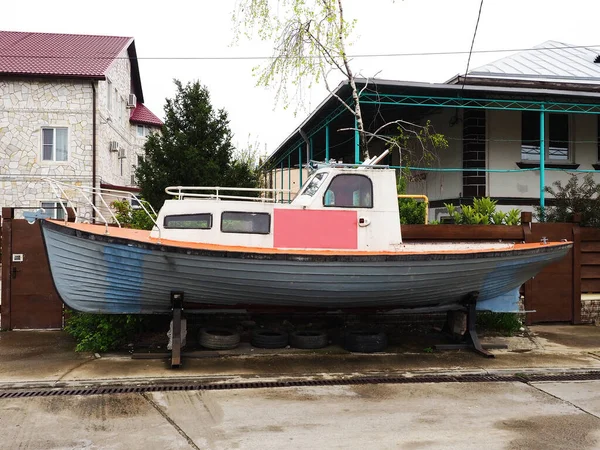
[{"x": 101, "y": 274}]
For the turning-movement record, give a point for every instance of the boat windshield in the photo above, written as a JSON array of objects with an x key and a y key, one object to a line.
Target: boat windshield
[{"x": 313, "y": 185}]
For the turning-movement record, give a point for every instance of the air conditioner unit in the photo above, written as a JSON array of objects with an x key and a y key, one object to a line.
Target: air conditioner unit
[
  {"x": 121, "y": 153},
  {"x": 131, "y": 101},
  {"x": 114, "y": 146}
]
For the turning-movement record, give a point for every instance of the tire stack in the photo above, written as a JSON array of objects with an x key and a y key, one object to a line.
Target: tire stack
[
  {"x": 215, "y": 338},
  {"x": 309, "y": 339},
  {"x": 265, "y": 338},
  {"x": 365, "y": 341}
]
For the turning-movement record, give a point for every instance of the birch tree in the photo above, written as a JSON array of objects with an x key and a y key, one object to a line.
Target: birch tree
[{"x": 311, "y": 38}]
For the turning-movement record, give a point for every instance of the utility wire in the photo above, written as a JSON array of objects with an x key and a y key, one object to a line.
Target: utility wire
[
  {"x": 258, "y": 57},
  {"x": 472, "y": 43}
]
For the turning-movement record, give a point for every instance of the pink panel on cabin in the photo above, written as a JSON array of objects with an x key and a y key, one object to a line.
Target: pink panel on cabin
[{"x": 302, "y": 228}]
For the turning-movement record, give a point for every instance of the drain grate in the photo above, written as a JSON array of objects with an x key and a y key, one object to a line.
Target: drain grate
[{"x": 523, "y": 378}]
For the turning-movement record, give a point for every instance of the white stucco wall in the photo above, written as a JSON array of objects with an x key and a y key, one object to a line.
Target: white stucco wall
[
  {"x": 443, "y": 185},
  {"x": 504, "y": 151}
]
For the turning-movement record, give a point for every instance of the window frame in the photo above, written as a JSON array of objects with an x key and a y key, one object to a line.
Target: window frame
[
  {"x": 259, "y": 213},
  {"x": 349, "y": 207},
  {"x": 547, "y": 124},
  {"x": 167, "y": 227},
  {"x": 55, "y": 210},
  {"x": 53, "y": 157}
]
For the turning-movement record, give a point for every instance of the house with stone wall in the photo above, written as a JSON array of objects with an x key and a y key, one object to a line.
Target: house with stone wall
[{"x": 71, "y": 109}]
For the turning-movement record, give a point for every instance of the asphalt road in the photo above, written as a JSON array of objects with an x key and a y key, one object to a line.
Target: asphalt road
[{"x": 486, "y": 416}]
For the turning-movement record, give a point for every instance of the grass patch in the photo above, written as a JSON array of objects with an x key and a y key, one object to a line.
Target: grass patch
[
  {"x": 506, "y": 323},
  {"x": 104, "y": 332}
]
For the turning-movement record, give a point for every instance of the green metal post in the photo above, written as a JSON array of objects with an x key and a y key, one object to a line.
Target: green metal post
[
  {"x": 327, "y": 143},
  {"x": 542, "y": 162},
  {"x": 300, "y": 162},
  {"x": 311, "y": 148},
  {"x": 275, "y": 184},
  {"x": 281, "y": 194},
  {"x": 356, "y": 142},
  {"x": 289, "y": 178}
]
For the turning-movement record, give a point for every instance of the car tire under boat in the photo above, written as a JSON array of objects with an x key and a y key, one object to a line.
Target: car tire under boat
[
  {"x": 308, "y": 339},
  {"x": 365, "y": 341},
  {"x": 269, "y": 339},
  {"x": 218, "y": 338}
]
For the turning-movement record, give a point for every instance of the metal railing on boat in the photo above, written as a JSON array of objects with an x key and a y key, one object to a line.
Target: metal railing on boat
[
  {"x": 61, "y": 191},
  {"x": 216, "y": 193}
]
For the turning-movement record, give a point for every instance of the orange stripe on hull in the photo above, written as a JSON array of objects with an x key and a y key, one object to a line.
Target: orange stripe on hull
[{"x": 143, "y": 236}]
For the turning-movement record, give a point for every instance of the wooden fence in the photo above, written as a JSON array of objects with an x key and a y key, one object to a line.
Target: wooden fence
[{"x": 555, "y": 294}]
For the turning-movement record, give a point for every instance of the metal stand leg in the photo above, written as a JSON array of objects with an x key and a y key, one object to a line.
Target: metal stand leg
[
  {"x": 470, "y": 338},
  {"x": 177, "y": 303}
]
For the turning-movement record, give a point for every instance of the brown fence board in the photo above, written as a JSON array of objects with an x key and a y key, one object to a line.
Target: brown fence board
[
  {"x": 462, "y": 232},
  {"x": 590, "y": 285},
  {"x": 590, "y": 234},
  {"x": 590, "y": 259},
  {"x": 590, "y": 246},
  {"x": 589, "y": 272}
]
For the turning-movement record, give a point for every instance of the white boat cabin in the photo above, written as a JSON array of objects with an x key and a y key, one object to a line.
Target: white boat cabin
[{"x": 339, "y": 208}]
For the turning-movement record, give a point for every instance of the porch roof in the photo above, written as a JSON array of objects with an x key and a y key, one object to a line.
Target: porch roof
[{"x": 380, "y": 93}]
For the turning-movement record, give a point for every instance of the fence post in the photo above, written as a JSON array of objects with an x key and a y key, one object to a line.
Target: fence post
[
  {"x": 576, "y": 269},
  {"x": 526, "y": 218},
  {"x": 7, "y": 216}
]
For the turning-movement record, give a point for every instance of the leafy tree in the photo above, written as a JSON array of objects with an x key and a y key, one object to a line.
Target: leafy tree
[
  {"x": 193, "y": 148},
  {"x": 571, "y": 198},
  {"x": 311, "y": 39}
]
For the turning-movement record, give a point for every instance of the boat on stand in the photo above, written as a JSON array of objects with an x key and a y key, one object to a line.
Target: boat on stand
[{"x": 336, "y": 246}]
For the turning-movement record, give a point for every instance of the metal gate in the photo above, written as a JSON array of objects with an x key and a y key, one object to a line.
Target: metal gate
[
  {"x": 29, "y": 298},
  {"x": 555, "y": 293}
]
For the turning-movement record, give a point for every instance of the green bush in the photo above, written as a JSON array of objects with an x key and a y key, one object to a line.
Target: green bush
[
  {"x": 101, "y": 332},
  {"x": 574, "y": 197},
  {"x": 506, "y": 323},
  {"x": 412, "y": 212},
  {"x": 133, "y": 218},
  {"x": 483, "y": 212}
]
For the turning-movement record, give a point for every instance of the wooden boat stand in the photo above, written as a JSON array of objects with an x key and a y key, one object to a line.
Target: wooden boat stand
[
  {"x": 469, "y": 340},
  {"x": 177, "y": 305}
]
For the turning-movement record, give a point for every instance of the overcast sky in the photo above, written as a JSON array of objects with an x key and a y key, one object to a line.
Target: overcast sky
[{"x": 203, "y": 28}]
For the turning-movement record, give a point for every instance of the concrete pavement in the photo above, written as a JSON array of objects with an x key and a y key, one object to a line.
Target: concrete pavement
[
  {"x": 491, "y": 415},
  {"x": 47, "y": 359}
]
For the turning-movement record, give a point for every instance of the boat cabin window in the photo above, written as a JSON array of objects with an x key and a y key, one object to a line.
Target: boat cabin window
[
  {"x": 245, "y": 222},
  {"x": 313, "y": 186},
  {"x": 189, "y": 221},
  {"x": 349, "y": 191}
]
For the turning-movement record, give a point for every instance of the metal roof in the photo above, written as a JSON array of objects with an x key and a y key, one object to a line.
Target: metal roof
[
  {"x": 144, "y": 116},
  {"x": 59, "y": 54},
  {"x": 550, "y": 61}
]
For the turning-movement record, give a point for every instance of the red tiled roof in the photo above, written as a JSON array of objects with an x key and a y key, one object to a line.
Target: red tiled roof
[
  {"x": 143, "y": 115},
  {"x": 58, "y": 54}
]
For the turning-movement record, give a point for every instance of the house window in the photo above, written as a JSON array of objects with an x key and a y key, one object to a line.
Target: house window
[
  {"x": 556, "y": 147},
  {"x": 189, "y": 221},
  {"x": 349, "y": 191},
  {"x": 54, "y": 209},
  {"x": 246, "y": 222},
  {"x": 140, "y": 130},
  {"x": 109, "y": 95},
  {"x": 54, "y": 144}
]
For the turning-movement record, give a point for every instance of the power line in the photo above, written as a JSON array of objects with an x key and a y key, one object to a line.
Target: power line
[
  {"x": 258, "y": 57},
  {"x": 472, "y": 43}
]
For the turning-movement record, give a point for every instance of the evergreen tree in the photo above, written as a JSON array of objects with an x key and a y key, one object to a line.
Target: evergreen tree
[{"x": 193, "y": 148}]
